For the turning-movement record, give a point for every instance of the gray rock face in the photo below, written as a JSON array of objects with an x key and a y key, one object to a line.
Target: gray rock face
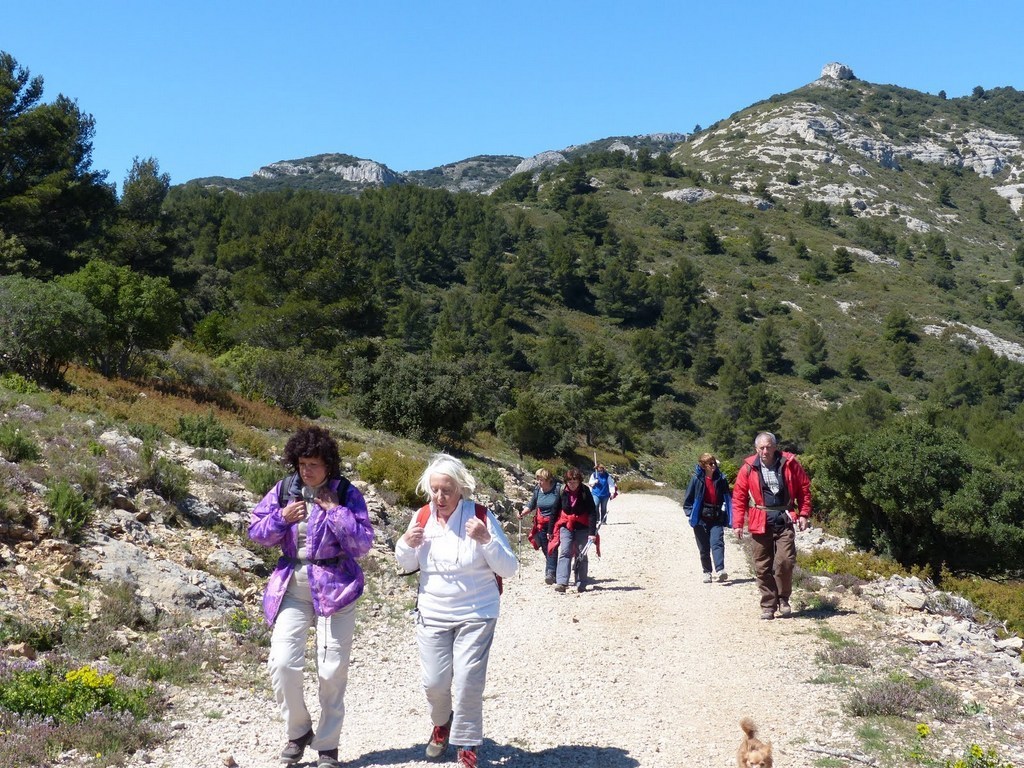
[
  {"x": 540, "y": 162},
  {"x": 837, "y": 71},
  {"x": 167, "y": 585},
  {"x": 347, "y": 168}
]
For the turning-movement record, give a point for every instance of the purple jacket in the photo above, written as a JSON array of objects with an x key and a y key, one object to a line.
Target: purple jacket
[{"x": 344, "y": 533}]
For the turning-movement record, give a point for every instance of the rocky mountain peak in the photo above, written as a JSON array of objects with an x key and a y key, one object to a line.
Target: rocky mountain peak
[{"x": 837, "y": 71}]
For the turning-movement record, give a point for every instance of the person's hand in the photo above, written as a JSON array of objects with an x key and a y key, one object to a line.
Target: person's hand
[
  {"x": 294, "y": 512},
  {"x": 803, "y": 523},
  {"x": 414, "y": 536},
  {"x": 591, "y": 539},
  {"x": 739, "y": 533},
  {"x": 327, "y": 498},
  {"x": 524, "y": 513},
  {"x": 476, "y": 529}
]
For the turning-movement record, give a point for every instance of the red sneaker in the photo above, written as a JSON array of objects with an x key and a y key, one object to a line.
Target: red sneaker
[
  {"x": 466, "y": 757},
  {"x": 439, "y": 738}
]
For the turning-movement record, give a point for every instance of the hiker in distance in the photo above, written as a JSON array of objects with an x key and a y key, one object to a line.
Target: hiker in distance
[
  {"x": 459, "y": 549},
  {"x": 708, "y": 503},
  {"x": 573, "y": 530},
  {"x": 602, "y": 488},
  {"x": 320, "y": 522},
  {"x": 545, "y": 503},
  {"x": 772, "y": 495}
]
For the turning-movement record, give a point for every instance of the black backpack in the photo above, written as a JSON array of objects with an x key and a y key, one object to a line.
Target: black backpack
[{"x": 291, "y": 489}]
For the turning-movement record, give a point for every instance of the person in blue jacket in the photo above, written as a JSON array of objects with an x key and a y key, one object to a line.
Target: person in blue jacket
[
  {"x": 602, "y": 488},
  {"x": 708, "y": 503}
]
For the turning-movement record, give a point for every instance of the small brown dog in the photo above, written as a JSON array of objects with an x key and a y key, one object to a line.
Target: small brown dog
[{"x": 753, "y": 753}]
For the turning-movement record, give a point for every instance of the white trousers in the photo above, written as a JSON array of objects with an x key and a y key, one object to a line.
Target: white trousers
[
  {"x": 288, "y": 658},
  {"x": 453, "y": 661}
]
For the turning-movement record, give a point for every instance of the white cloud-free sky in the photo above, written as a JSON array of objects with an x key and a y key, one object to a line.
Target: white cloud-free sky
[{"x": 222, "y": 87}]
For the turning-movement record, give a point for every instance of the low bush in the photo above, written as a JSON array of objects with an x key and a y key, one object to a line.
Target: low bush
[
  {"x": 180, "y": 656},
  {"x": 862, "y": 565},
  {"x": 50, "y": 690},
  {"x": 848, "y": 655},
  {"x": 259, "y": 477},
  {"x": 16, "y": 445},
  {"x": 899, "y": 696},
  {"x": 391, "y": 471},
  {"x": 42, "y": 636},
  {"x": 203, "y": 431},
  {"x": 71, "y": 511},
  {"x": 1004, "y": 600},
  {"x": 628, "y": 484},
  {"x": 162, "y": 476}
]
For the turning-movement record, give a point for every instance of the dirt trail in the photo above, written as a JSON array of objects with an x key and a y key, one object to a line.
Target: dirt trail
[{"x": 651, "y": 667}]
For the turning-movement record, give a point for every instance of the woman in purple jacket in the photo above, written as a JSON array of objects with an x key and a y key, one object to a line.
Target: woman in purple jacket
[{"x": 320, "y": 522}]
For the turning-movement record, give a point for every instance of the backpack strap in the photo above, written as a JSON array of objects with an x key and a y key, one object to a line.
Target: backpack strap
[
  {"x": 286, "y": 488},
  {"x": 292, "y": 482},
  {"x": 423, "y": 514},
  {"x": 481, "y": 514}
]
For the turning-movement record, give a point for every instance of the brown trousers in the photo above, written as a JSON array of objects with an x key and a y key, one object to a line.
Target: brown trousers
[{"x": 774, "y": 559}]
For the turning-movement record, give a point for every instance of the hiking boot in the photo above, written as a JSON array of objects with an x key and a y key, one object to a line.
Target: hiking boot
[
  {"x": 549, "y": 579},
  {"x": 707, "y": 578},
  {"x": 293, "y": 750},
  {"x": 328, "y": 759},
  {"x": 560, "y": 587},
  {"x": 439, "y": 738},
  {"x": 582, "y": 587},
  {"x": 767, "y": 614},
  {"x": 784, "y": 608},
  {"x": 466, "y": 757},
  {"x": 722, "y": 576}
]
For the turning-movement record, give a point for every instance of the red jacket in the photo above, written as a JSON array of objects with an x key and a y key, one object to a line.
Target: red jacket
[{"x": 748, "y": 501}]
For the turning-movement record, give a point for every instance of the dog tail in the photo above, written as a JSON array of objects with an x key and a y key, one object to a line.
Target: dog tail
[{"x": 748, "y": 727}]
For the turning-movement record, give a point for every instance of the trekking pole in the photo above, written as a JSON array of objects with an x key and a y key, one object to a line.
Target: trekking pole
[{"x": 519, "y": 548}]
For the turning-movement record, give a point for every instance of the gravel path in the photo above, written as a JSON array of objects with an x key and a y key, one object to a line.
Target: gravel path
[{"x": 651, "y": 667}]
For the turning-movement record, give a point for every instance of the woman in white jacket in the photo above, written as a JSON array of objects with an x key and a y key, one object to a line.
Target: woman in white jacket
[{"x": 459, "y": 549}]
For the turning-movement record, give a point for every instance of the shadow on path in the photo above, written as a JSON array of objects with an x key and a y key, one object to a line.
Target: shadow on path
[{"x": 503, "y": 754}]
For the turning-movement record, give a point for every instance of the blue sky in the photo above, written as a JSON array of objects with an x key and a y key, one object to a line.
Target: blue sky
[{"x": 221, "y": 87}]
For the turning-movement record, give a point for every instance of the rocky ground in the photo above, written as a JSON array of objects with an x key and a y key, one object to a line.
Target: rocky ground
[{"x": 651, "y": 667}]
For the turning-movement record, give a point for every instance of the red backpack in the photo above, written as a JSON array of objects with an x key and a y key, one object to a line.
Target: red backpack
[{"x": 481, "y": 513}]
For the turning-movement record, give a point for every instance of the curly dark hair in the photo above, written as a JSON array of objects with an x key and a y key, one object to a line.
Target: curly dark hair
[{"x": 313, "y": 443}]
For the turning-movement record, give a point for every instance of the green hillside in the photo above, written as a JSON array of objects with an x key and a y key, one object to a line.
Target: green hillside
[{"x": 838, "y": 263}]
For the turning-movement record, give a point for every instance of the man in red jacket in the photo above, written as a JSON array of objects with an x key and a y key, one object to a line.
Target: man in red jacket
[{"x": 772, "y": 494}]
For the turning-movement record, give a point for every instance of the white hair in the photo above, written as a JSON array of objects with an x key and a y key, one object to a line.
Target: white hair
[
  {"x": 445, "y": 464},
  {"x": 769, "y": 435}
]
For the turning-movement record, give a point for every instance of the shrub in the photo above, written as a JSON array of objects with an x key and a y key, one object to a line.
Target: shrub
[
  {"x": 71, "y": 511},
  {"x": 148, "y": 433},
  {"x": 850, "y": 655},
  {"x": 899, "y": 696},
  {"x": 393, "y": 471},
  {"x": 203, "y": 431},
  {"x": 861, "y": 565},
  {"x": 16, "y": 383},
  {"x": 1003, "y": 600},
  {"x": 162, "y": 476},
  {"x": 67, "y": 696},
  {"x": 180, "y": 656},
  {"x": 44, "y": 636},
  {"x": 628, "y": 484},
  {"x": 488, "y": 476},
  {"x": 15, "y": 445},
  {"x": 43, "y": 327},
  {"x": 260, "y": 477}
]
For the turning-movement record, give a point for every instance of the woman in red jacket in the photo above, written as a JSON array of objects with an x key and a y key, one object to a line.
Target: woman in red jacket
[{"x": 575, "y": 526}]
